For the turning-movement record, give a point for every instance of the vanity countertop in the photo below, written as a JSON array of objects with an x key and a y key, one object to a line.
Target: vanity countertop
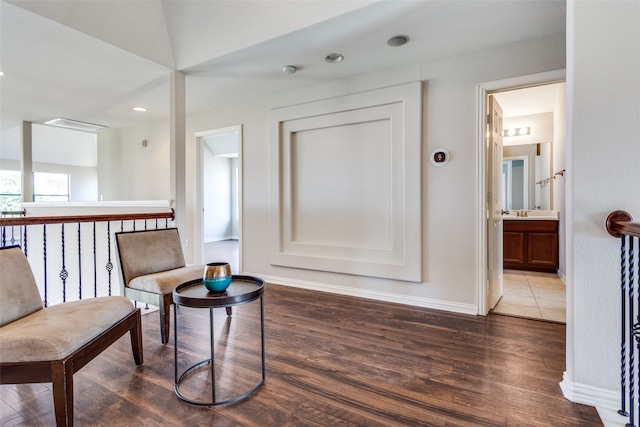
[{"x": 534, "y": 215}]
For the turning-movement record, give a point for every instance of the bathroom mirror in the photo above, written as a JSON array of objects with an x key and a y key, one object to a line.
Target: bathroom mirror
[{"x": 523, "y": 167}]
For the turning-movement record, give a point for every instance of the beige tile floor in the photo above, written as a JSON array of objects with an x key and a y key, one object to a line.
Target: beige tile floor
[{"x": 533, "y": 295}]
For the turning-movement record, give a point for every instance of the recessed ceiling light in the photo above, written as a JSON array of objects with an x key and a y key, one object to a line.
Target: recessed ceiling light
[
  {"x": 141, "y": 109},
  {"x": 334, "y": 58},
  {"x": 398, "y": 40},
  {"x": 289, "y": 69},
  {"x": 1, "y": 73}
]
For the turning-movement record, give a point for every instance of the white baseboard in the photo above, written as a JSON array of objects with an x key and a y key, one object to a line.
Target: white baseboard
[
  {"x": 606, "y": 402},
  {"x": 375, "y": 295},
  {"x": 562, "y": 276},
  {"x": 219, "y": 239}
]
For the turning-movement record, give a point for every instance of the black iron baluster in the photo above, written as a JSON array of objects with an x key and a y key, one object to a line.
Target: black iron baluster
[
  {"x": 95, "y": 263},
  {"x": 44, "y": 252},
  {"x": 79, "y": 263},
  {"x": 145, "y": 224},
  {"x": 637, "y": 330},
  {"x": 64, "y": 274},
  {"x": 623, "y": 339},
  {"x": 24, "y": 241},
  {"x": 636, "y": 325},
  {"x": 630, "y": 315},
  {"x": 4, "y": 236},
  {"x": 109, "y": 265}
]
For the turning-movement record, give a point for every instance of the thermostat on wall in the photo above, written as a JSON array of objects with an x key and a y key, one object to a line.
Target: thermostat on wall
[{"x": 440, "y": 157}]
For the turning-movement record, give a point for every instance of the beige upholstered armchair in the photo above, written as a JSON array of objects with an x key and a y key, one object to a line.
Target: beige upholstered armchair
[
  {"x": 50, "y": 344},
  {"x": 151, "y": 266}
]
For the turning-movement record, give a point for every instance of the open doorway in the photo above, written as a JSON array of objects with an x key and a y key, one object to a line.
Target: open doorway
[
  {"x": 533, "y": 151},
  {"x": 533, "y": 106},
  {"x": 220, "y": 198}
]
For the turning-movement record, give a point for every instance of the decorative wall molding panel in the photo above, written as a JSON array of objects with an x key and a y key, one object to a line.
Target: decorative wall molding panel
[{"x": 344, "y": 184}]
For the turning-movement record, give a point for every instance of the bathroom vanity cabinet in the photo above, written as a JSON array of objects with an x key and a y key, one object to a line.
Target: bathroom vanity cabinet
[{"x": 530, "y": 245}]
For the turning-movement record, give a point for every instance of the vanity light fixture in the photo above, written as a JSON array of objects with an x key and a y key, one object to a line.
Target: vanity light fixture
[
  {"x": 140, "y": 109},
  {"x": 517, "y": 131},
  {"x": 334, "y": 58}
]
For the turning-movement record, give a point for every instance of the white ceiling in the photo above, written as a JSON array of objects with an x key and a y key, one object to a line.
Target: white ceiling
[
  {"x": 94, "y": 60},
  {"x": 530, "y": 100}
]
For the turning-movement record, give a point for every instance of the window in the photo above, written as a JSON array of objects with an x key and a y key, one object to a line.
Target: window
[
  {"x": 10, "y": 190},
  {"x": 47, "y": 187},
  {"x": 50, "y": 187}
]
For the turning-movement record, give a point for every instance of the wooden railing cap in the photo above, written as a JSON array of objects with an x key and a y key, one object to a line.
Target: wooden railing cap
[{"x": 621, "y": 222}]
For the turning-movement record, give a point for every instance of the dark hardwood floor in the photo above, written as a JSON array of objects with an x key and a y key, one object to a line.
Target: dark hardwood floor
[{"x": 330, "y": 360}]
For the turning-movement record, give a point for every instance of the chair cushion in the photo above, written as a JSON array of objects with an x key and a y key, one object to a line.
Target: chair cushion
[
  {"x": 19, "y": 294},
  {"x": 148, "y": 251},
  {"x": 57, "y": 331},
  {"x": 165, "y": 281}
]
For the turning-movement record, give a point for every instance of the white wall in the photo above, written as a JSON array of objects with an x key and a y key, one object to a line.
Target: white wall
[
  {"x": 128, "y": 171},
  {"x": 603, "y": 87},
  {"x": 217, "y": 197}
]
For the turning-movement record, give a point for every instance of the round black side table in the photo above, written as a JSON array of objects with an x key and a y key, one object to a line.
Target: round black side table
[{"x": 242, "y": 290}]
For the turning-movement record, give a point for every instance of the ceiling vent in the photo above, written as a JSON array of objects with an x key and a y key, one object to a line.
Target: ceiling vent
[{"x": 75, "y": 125}]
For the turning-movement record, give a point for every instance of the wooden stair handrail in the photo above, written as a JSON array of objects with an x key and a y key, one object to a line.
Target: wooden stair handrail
[
  {"x": 621, "y": 222},
  {"x": 36, "y": 220}
]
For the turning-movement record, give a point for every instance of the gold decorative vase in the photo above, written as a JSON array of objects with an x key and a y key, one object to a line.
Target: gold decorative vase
[{"x": 217, "y": 276}]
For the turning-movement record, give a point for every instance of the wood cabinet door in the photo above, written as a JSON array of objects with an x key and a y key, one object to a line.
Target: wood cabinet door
[
  {"x": 513, "y": 248},
  {"x": 542, "y": 250}
]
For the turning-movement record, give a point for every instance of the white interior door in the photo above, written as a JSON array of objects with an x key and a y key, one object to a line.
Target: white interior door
[{"x": 494, "y": 197}]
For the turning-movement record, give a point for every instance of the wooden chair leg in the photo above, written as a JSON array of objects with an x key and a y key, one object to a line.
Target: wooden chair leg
[
  {"x": 165, "y": 316},
  {"x": 136, "y": 338},
  {"x": 62, "y": 380}
]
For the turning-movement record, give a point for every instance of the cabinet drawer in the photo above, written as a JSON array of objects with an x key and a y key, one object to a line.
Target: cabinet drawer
[{"x": 530, "y": 225}]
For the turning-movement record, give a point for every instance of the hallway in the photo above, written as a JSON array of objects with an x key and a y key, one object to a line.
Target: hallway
[{"x": 223, "y": 251}]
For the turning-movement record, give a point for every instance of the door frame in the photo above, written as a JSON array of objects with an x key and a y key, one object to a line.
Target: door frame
[
  {"x": 199, "y": 222},
  {"x": 483, "y": 90}
]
